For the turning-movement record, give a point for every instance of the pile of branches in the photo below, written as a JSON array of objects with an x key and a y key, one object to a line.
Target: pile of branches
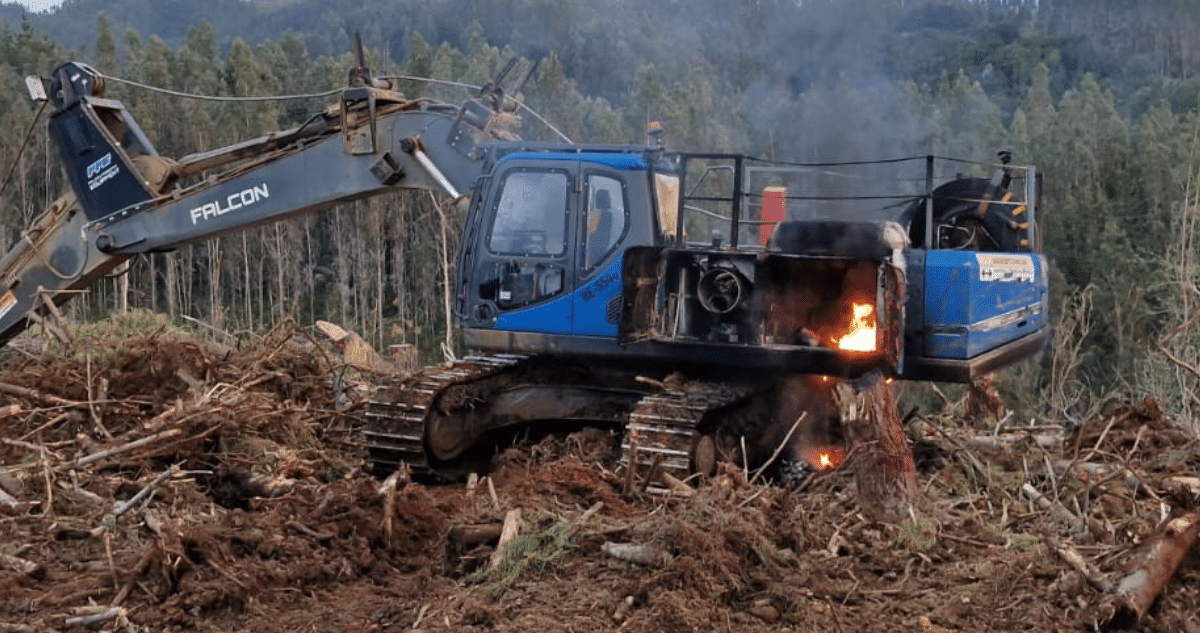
[{"x": 92, "y": 432}]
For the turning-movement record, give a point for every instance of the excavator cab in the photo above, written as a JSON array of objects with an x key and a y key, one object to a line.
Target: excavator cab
[{"x": 541, "y": 258}]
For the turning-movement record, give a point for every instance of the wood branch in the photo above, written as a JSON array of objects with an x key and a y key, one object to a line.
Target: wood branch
[
  {"x": 95, "y": 618},
  {"x": 779, "y": 449},
  {"x": 1095, "y": 472},
  {"x": 121, "y": 508},
  {"x": 648, "y": 555},
  {"x": 53, "y": 421},
  {"x": 93, "y": 396},
  {"x": 492, "y": 494},
  {"x": 587, "y": 515},
  {"x": 630, "y": 466},
  {"x": 1151, "y": 570},
  {"x": 656, "y": 463},
  {"x": 138, "y": 569},
  {"x": 1182, "y": 483},
  {"x": 125, "y": 448},
  {"x": 55, "y": 315},
  {"x": 9, "y": 410},
  {"x": 1015, "y": 439},
  {"x": 304, "y": 529},
  {"x": 1057, "y": 510},
  {"x": 623, "y": 610},
  {"x": 22, "y": 566},
  {"x": 675, "y": 486},
  {"x": 884, "y": 472},
  {"x": 51, "y": 328},
  {"x": 388, "y": 491},
  {"x": 512, "y": 527},
  {"x": 1077, "y": 562},
  {"x": 8, "y": 501},
  {"x": 964, "y": 455},
  {"x": 33, "y": 394}
]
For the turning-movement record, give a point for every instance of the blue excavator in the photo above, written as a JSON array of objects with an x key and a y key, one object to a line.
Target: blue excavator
[{"x": 700, "y": 302}]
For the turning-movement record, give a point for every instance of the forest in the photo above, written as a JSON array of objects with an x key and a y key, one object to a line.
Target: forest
[{"x": 1103, "y": 96}]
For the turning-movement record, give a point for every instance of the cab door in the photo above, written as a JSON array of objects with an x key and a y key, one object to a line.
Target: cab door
[
  {"x": 603, "y": 226},
  {"x": 522, "y": 264}
]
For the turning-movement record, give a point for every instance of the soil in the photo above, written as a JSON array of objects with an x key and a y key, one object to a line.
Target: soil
[{"x": 259, "y": 515}]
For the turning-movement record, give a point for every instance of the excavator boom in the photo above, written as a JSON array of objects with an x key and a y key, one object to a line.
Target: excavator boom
[{"x": 127, "y": 200}]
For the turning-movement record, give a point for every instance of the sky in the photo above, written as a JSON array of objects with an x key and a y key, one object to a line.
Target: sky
[{"x": 36, "y": 5}]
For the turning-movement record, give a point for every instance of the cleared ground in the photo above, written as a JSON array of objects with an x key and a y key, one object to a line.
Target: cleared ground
[{"x": 258, "y": 517}]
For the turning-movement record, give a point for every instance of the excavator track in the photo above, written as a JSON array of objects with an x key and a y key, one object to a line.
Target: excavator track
[
  {"x": 395, "y": 423},
  {"x": 665, "y": 428}
]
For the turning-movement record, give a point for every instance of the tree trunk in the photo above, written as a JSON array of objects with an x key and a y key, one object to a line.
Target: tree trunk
[
  {"x": 1151, "y": 571},
  {"x": 878, "y": 451}
]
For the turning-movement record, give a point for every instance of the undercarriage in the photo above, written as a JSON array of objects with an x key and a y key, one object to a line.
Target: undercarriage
[{"x": 449, "y": 420}]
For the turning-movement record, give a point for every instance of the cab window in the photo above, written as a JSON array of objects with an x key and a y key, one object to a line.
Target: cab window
[
  {"x": 531, "y": 216},
  {"x": 605, "y": 219}
]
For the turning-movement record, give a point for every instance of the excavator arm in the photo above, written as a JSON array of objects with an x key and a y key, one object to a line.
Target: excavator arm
[{"x": 127, "y": 200}]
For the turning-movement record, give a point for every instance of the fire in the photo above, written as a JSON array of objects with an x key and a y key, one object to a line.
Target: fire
[
  {"x": 861, "y": 337},
  {"x": 825, "y": 457}
]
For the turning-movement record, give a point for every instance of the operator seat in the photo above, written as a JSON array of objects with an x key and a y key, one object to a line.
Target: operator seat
[{"x": 599, "y": 228}]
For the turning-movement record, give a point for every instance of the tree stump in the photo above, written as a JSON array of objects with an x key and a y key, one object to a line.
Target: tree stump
[
  {"x": 983, "y": 400},
  {"x": 877, "y": 449}
]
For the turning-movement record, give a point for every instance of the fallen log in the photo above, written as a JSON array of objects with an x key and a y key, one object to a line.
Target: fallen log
[
  {"x": 1151, "y": 570},
  {"x": 462, "y": 538}
]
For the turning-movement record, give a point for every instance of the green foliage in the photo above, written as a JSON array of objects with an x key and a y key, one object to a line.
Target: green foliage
[
  {"x": 534, "y": 552},
  {"x": 917, "y": 534}
]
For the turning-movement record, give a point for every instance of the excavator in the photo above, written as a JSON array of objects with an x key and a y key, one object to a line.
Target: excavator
[{"x": 700, "y": 302}]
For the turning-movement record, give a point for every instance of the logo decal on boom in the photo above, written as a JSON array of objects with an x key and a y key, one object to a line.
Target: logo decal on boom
[
  {"x": 101, "y": 171},
  {"x": 232, "y": 202}
]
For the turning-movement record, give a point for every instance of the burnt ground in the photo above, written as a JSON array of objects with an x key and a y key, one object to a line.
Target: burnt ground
[{"x": 258, "y": 516}]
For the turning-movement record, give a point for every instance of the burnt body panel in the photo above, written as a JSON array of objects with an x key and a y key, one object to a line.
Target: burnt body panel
[{"x": 795, "y": 309}]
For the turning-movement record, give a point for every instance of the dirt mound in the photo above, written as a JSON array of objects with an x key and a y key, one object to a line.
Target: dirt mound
[{"x": 167, "y": 484}]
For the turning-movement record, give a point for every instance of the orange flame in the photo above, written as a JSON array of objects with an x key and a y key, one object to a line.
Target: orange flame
[
  {"x": 861, "y": 337},
  {"x": 825, "y": 457}
]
